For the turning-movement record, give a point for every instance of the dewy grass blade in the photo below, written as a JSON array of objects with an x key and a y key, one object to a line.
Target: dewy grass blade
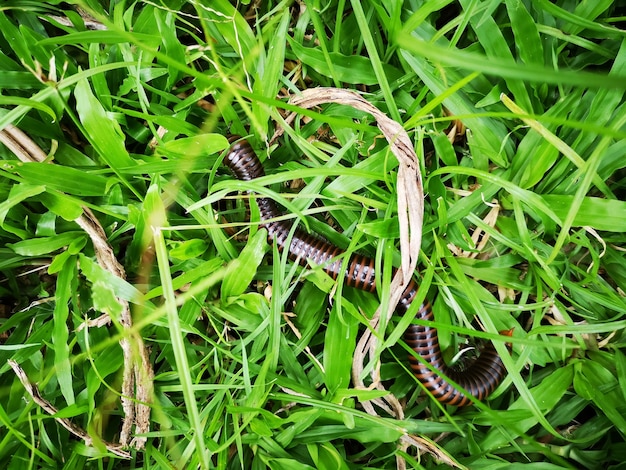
[
  {"x": 573, "y": 19},
  {"x": 588, "y": 172},
  {"x": 323, "y": 46},
  {"x": 16, "y": 113},
  {"x": 490, "y": 134},
  {"x": 527, "y": 40},
  {"x": 528, "y": 197},
  {"x": 269, "y": 84},
  {"x": 27, "y": 102},
  {"x": 600, "y": 214},
  {"x": 497, "y": 49},
  {"x": 561, "y": 146},
  {"x": 60, "y": 338},
  {"x": 473, "y": 61},
  {"x": 238, "y": 383},
  {"x": 158, "y": 220},
  {"x": 105, "y": 132},
  {"x": 375, "y": 58},
  {"x": 514, "y": 375},
  {"x": 439, "y": 100}
]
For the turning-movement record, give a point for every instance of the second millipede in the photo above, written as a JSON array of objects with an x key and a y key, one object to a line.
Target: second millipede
[{"x": 479, "y": 378}]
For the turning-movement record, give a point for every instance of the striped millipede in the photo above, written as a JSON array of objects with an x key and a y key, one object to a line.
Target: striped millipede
[{"x": 451, "y": 385}]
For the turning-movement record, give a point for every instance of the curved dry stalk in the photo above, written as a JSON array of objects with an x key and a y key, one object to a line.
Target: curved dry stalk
[
  {"x": 411, "y": 217},
  {"x": 137, "y": 384},
  {"x": 35, "y": 394}
]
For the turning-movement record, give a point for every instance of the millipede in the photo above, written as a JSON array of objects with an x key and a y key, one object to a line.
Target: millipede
[{"x": 457, "y": 385}]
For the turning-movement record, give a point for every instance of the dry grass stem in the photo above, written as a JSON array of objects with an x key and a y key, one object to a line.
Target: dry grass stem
[
  {"x": 411, "y": 217},
  {"x": 137, "y": 385}
]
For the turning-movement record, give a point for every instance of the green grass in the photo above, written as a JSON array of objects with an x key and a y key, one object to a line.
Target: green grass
[{"x": 131, "y": 120}]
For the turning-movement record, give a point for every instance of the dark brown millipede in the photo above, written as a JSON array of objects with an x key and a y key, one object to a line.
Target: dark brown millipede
[{"x": 475, "y": 381}]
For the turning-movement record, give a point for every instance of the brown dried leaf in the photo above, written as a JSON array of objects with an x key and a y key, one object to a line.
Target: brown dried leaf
[{"x": 410, "y": 214}]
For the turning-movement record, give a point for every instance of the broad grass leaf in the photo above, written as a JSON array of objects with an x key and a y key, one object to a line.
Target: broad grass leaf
[
  {"x": 489, "y": 271},
  {"x": 241, "y": 271},
  {"x": 58, "y": 262},
  {"x": 279, "y": 463},
  {"x": 64, "y": 206},
  {"x": 615, "y": 267},
  {"x": 46, "y": 226},
  {"x": 496, "y": 47},
  {"x": 172, "y": 47},
  {"x": 260, "y": 428},
  {"x": 488, "y": 134},
  {"x": 17, "y": 347},
  {"x": 66, "y": 284},
  {"x": 106, "y": 280},
  {"x": 196, "y": 274},
  {"x": 269, "y": 80},
  {"x": 605, "y": 106},
  {"x": 168, "y": 166},
  {"x": 63, "y": 178},
  {"x": 535, "y": 154},
  {"x": 310, "y": 309},
  {"x": 339, "y": 344},
  {"x": 105, "y": 301},
  {"x": 105, "y": 363},
  {"x": 591, "y": 10},
  {"x": 599, "y": 385},
  {"x": 104, "y": 132},
  {"x": 364, "y": 431},
  {"x": 99, "y": 36},
  {"x": 465, "y": 205},
  {"x": 175, "y": 123},
  {"x": 195, "y": 146},
  {"x": 18, "y": 101},
  {"x": 361, "y": 395},
  {"x": 38, "y": 335},
  {"x": 573, "y": 23},
  {"x": 350, "y": 69},
  {"x": 601, "y": 214},
  {"x": 293, "y": 369},
  {"x": 67, "y": 155},
  {"x": 99, "y": 82},
  {"x": 527, "y": 39},
  {"x": 444, "y": 149},
  {"x": 44, "y": 245},
  {"x": 11, "y": 80},
  {"x": 247, "y": 313},
  {"x": 302, "y": 420},
  {"x": 19, "y": 42},
  {"x": 546, "y": 395},
  {"x": 326, "y": 457},
  {"x": 17, "y": 194},
  {"x": 234, "y": 29},
  {"x": 505, "y": 68},
  {"x": 188, "y": 249},
  {"x": 153, "y": 211},
  {"x": 381, "y": 228},
  {"x": 620, "y": 364}
]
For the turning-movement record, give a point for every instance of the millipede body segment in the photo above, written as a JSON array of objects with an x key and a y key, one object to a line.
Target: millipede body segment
[{"x": 478, "y": 379}]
